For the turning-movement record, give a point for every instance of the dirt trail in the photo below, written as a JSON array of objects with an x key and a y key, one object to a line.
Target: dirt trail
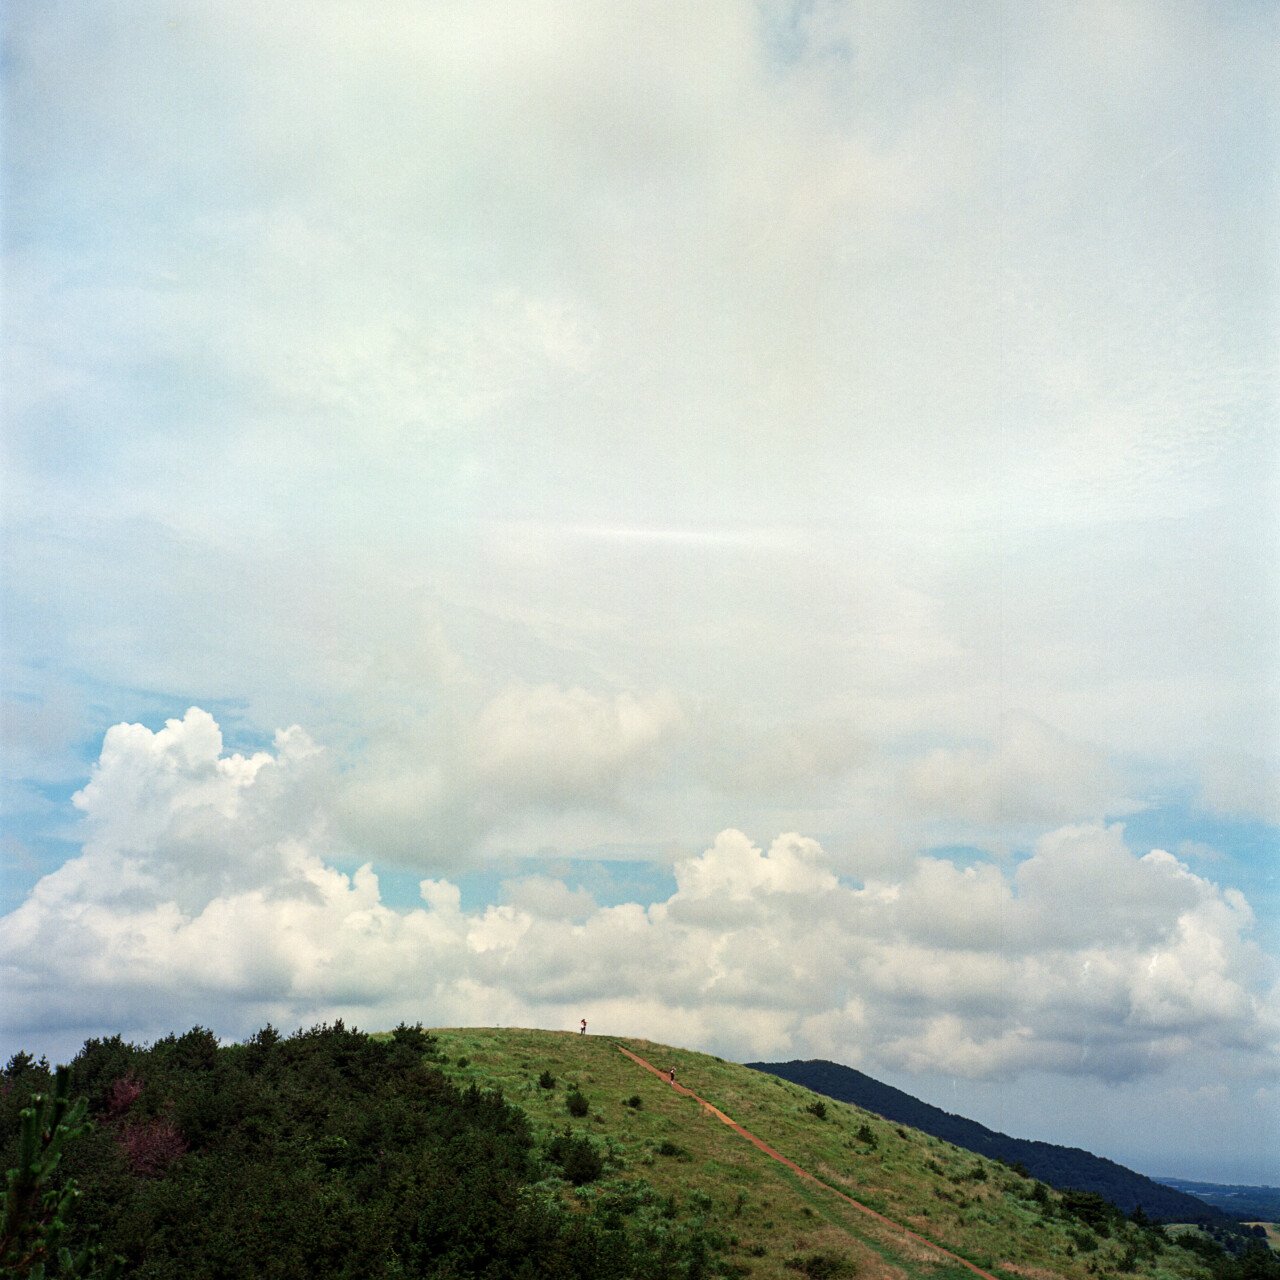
[{"x": 805, "y": 1174}]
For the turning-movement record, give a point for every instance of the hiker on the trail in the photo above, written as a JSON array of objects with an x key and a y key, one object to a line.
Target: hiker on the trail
[
  {"x": 671, "y": 1074},
  {"x": 582, "y": 1029}
]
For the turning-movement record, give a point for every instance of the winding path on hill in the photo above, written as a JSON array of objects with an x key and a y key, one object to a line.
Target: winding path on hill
[{"x": 805, "y": 1174}]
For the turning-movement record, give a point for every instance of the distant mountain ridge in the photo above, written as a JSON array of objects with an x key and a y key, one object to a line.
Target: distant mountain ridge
[{"x": 1060, "y": 1167}]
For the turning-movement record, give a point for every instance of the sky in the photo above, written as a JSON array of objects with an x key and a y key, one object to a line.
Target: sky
[{"x": 751, "y": 523}]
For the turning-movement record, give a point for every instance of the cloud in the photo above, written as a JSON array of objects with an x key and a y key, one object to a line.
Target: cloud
[
  {"x": 1032, "y": 775},
  {"x": 203, "y": 893},
  {"x": 179, "y": 819},
  {"x": 418, "y": 332},
  {"x": 565, "y": 747},
  {"x": 1199, "y": 851},
  {"x": 548, "y": 899},
  {"x": 1142, "y": 898},
  {"x": 785, "y": 759},
  {"x": 1242, "y": 786},
  {"x": 451, "y": 778},
  {"x": 735, "y": 871},
  {"x": 946, "y": 1045}
]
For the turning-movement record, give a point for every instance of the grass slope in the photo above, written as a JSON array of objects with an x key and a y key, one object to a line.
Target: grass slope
[
  {"x": 1059, "y": 1166},
  {"x": 773, "y": 1223}
]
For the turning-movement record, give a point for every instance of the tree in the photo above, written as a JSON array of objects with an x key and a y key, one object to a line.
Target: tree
[{"x": 33, "y": 1207}]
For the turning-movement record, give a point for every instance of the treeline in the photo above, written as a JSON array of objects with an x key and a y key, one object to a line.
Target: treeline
[{"x": 327, "y": 1153}]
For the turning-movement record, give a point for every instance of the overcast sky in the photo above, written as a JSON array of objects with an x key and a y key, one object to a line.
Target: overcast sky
[{"x": 751, "y": 523}]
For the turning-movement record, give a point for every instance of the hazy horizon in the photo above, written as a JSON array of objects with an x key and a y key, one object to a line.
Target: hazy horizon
[{"x": 752, "y": 523}]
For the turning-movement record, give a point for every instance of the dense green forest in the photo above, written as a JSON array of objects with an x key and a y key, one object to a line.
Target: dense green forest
[{"x": 326, "y": 1153}]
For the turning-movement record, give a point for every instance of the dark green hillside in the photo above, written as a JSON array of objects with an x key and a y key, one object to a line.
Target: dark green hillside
[
  {"x": 1061, "y": 1167},
  {"x": 514, "y": 1153}
]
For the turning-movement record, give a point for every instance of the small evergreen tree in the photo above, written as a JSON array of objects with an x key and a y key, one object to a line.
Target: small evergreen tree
[{"x": 33, "y": 1211}]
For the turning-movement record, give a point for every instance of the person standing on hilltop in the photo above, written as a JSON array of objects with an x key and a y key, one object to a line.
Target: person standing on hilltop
[{"x": 582, "y": 1028}]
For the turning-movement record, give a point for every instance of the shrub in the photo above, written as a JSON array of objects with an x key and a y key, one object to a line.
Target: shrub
[
  {"x": 1091, "y": 1209},
  {"x": 635, "y": 1101},
  {"x": 122, "y": 1094},
  {"x": 194, "y": 1051},
  {"x": 259, "y": 1048},
  {"x": 577, "y": 1104},
  {"x": 577, "y": 1157},
  {"x": 668, "y": 1148},
  {"x": 865, "y": 1134},
  {"x": 151, "y": 1146},
  {"x": 415, "y": 1040},
  {"x": 822, "y": 1266},
  {"x": 98, "y": 1065},
  {"x": 546, "y": 1080},
  {"x": 818, "y": 1109}
]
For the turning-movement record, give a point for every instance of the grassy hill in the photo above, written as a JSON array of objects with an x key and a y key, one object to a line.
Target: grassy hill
[
  {"x": 1059, "y": 1166},
  {"x": 773, "y": 1223},
  {"x": 531, "y": 1155}
]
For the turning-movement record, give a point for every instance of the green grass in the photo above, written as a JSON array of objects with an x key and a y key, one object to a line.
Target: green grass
[{"x": 669, "y": 1151}]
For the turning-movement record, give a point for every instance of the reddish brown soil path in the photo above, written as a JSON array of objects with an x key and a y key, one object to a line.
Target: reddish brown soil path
[{"x": 805, "y": 1174}]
